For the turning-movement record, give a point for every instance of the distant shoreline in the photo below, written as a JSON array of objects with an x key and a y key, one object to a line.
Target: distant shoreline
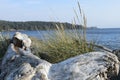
[{"x": 37, "y": 25}]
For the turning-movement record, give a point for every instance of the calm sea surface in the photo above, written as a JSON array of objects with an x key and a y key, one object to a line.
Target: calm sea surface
[{"x": 107, "y": 37}]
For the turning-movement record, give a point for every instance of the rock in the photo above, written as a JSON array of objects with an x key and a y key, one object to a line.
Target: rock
[
  {"x": 21, "y": 40},
  {"x": 90, "y": 66},
  {"x": 23, "y": 65},
  {"x": 117, "y": 53}
]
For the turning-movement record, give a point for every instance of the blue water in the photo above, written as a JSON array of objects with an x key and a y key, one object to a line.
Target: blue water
[{"x": 107, "y": 37}]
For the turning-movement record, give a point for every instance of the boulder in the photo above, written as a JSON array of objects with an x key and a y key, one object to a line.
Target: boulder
[
  {"x": 21, "y": 40},
  {"x": 23, "y": 65}
]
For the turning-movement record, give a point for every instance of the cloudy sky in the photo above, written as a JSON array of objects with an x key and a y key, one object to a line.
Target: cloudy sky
[{"x": 101, "y": 13}]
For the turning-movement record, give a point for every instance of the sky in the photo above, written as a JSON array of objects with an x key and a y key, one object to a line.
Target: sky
[{"x": 100, "y": 13}]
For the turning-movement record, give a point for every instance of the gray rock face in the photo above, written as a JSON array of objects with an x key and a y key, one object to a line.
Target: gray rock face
[
  {"x": 23, "y": 65},
  {"x": 26, "y": 41},
  {"x": 90, "y": 66}
]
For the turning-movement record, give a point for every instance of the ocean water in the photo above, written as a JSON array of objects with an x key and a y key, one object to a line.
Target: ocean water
[{"x": 107, "y": 37}]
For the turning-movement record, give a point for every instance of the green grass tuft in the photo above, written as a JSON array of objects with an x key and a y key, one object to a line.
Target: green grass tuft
[
  {"x": 4, "y": 43},
  {"x": 61, "y": 45},
  {"x": 64, "y": 44}
]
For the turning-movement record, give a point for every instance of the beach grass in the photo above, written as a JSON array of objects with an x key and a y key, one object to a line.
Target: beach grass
[
  {"x": 4, "y": 43},
  {"x": 63, "y": 44}
]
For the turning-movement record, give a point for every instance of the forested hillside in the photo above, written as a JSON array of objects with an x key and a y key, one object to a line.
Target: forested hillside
[{"x": 33, "y": 25}]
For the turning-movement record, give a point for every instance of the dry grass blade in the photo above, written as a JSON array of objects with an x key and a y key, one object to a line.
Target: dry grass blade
[{"x": 80, "y": 10}]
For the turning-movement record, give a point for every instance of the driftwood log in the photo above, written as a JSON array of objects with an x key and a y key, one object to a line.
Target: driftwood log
[
  {"x": 116, "y": 51},
  {"x": 20, "y": 64}
]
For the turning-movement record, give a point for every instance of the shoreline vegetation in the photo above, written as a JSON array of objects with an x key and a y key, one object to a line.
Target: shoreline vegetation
[
  {"x": 35, "y": 25},
  {"x": 55, "y": 47}
]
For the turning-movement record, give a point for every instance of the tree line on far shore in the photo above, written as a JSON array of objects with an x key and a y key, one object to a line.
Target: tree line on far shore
[{"x": 34, "y": 25}]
